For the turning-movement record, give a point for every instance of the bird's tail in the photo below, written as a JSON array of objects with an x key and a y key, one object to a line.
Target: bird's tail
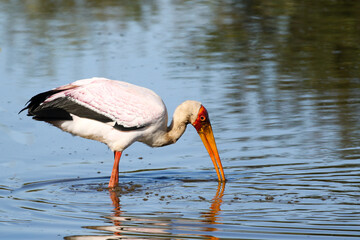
[{"x": 36, "y": 100}]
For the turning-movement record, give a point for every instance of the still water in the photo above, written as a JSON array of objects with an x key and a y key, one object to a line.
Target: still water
[{"x": 280, "y": 81}]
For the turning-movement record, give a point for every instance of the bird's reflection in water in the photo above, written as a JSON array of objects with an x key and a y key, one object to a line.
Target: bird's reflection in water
[
  {"x": 129, "y": 227},
  {"x": 211, "y": 216}
]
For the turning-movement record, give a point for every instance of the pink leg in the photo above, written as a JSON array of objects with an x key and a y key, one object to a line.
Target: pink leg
[{"x": 114, "y": 179}]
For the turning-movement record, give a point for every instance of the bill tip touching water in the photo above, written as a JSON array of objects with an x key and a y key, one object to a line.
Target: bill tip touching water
[{"x": 118, "y": 114}]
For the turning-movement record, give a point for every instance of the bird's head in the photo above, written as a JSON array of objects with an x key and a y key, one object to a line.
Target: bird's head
[{"x": 203, "y": 127}]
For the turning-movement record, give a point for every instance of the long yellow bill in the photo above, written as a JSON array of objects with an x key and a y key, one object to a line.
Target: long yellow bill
[{"x": 206, "y": 134}]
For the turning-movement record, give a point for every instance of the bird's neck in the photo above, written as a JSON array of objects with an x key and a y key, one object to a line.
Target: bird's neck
[
  {"x": 175, "y": 130},
  {"x": 184, "y": 114}
]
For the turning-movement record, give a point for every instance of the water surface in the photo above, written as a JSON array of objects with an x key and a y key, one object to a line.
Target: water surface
[{"x": 280, "y": 81}]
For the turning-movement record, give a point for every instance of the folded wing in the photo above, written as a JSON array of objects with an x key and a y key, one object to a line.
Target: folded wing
[{"x": 124, "y": 105}]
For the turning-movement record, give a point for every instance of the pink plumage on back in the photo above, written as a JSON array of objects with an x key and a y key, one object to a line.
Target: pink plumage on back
[{"x": 128, "y": 104}]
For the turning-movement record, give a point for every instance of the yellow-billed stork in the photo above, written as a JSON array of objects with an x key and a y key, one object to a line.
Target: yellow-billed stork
[{"x": 118, "y": 114}]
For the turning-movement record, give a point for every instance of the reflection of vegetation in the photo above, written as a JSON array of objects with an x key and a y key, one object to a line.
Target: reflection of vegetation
[
  {"x": 323, "y": 42},
  {"x": 42, "y": 30},
  {"x": 82, "y": 16},
  {"x": 317, "y": 41},
  {"x": 288, "y": 52},
  {"x": 124, "y": 11}
]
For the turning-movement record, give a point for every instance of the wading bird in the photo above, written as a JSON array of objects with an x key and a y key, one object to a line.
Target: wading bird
[{"x": 118, "y": 114}]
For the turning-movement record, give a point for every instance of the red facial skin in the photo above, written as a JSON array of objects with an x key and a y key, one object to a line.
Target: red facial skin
[{"x": 203, "y": 118}]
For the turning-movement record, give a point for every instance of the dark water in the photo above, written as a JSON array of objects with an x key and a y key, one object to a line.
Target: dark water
[{"x": 279, "y": 78}]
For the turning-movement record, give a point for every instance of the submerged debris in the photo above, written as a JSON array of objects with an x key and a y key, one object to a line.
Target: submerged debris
[{"x": 123, "y": 188}]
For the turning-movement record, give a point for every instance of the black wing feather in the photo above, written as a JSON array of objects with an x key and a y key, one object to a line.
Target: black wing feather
[
  {"x": 70, "y": 106},
  {"x": 62, "y": 107},
  {"x": 36, "y": 100},
  {"x": 122, "y": 128}
]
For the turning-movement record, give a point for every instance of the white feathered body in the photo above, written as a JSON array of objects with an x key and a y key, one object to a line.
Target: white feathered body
[{"x": 125, "y": 104}]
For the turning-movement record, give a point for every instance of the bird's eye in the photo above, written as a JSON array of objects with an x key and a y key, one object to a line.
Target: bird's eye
[{"x": 202, "y": 118}]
